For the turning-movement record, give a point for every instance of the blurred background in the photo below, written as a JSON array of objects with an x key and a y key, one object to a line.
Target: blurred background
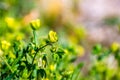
[
  {"x": 98, "y": 20},
  {"x": 79, "y": 23}
]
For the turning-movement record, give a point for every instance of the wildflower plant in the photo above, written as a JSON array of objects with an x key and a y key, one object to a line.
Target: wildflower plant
[
  {"x": 34, "y": 60},
  {"x": 105, "y": 63}
]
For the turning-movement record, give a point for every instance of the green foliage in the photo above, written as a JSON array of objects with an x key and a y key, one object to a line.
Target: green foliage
[
  {"x": 37, "y": 60},
  {"x": 105, "y": 63},
  {"x": 35, "y": 54}
]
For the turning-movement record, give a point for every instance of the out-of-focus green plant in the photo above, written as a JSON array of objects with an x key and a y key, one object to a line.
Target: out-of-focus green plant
[{"x": 105, "y": 63}]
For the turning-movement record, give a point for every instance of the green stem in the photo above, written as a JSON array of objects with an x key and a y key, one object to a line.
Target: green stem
[
  {"x": 7, "y": 64},
  {"x": 34, "y": 36},
  {"x": 37, "y": 52}
]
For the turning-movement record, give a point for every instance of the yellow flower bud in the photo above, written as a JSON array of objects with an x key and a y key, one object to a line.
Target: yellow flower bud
[
  {"x": 35, "y": 24},
  {"x": 66, "y": 51},
  {"x": 52, "y": 36},
  {"x": 5, "y": 45},
  {"x": 52, "y": 67},
  {"x": 32, "y": 51},
  {"x": 12, "y": 23},
  {"x": 80, "y": 51},
  {"x": 46, "y": 79},
  {"x": 115, "y": 46}
]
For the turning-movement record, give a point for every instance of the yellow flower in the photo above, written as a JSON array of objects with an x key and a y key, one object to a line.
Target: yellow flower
[
  {"x": 80, "y": 51},
  {"x": 66, "y": 51},
  {"x": 52, "y": 36},
  {"x": 46, "y": 79},
  {"x": 35, "y": 24},
  {"x": 32, "y": 51},
  {"x": 5, "y": 45},
  {"x": 115, "y": 46},
  {"x": 12, "y": 23},
  {"x": 52, "y": 67}
]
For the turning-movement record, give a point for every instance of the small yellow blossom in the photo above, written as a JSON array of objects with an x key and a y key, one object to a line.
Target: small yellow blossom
[
  {"x": 32, "y": 51},
  {"x": 52, "y": 67},
  {"x": 66, "y": 51},
  {"x": 5, "y": 45},
  {"x": 52, "y": 36},
  {"x": 45, "y": 79},
  {"x": 115, "y": 46},
  {"x": 35, "y": 24},
  {"x": 80, "y": 51},
  {"x": 12, "y": 23}
]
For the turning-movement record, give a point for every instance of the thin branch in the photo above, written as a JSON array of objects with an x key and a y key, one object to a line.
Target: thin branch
[{"x": 37, "y": 52}]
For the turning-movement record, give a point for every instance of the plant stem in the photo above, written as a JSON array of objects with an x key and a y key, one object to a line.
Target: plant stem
[
  {"x": 7, "y": 64},
  {"x": 37, "y": 52},
  {"x": 34, "y": 36}
]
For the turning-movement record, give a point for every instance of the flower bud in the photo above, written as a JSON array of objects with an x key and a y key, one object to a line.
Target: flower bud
[
  {"x": 35, "y": 24},
  {"x": 115, "y": 46},
  {"x": 80, "y": 50},
  {"x": 5, "y": 45},
  {"x": 52, "y": 36},
  {"x": 52, "y": 67}
]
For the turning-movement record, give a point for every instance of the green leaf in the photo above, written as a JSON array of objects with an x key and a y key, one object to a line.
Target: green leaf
[
  {"x": 56, "y": 57},
  {"x": 73, "y": 58},
  {"x": 25, "y": 73},
  {"x": 80, "y": 65},
  {"x": 60, "y": 52},
  {"x": 45, "y": 60},
  {"x": 29, "y": 59},
  {"x": 35, "y": 73},
  {"x": 77, "y": 71},
  {"x": 97, "y": 49},
  {"x": 41, "y": 73}
]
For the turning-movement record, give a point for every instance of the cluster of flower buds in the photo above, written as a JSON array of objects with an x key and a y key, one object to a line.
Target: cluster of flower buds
[{"x": 35, "y": 25}]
